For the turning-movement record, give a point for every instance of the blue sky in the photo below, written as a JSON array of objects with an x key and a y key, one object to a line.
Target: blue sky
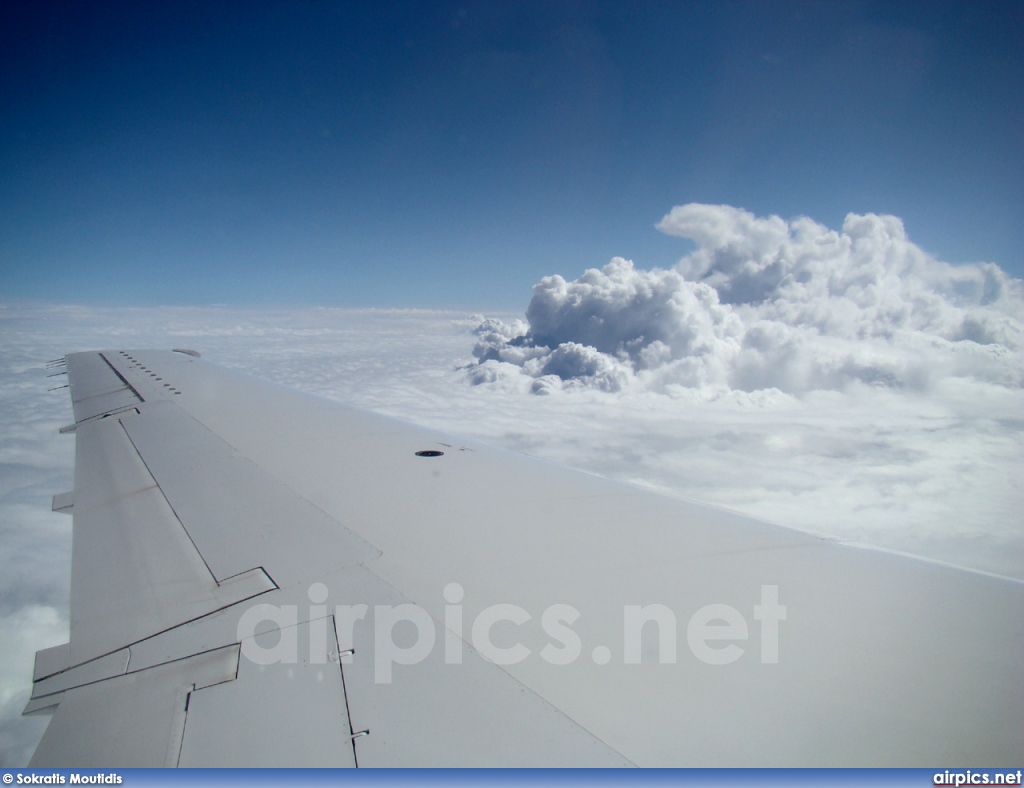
[{"x": 450, "y": 154}]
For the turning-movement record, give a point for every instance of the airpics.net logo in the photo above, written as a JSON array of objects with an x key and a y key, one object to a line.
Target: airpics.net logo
[
  {"x": 969, "y": 777},
  {"x": 716, "y": 634}
]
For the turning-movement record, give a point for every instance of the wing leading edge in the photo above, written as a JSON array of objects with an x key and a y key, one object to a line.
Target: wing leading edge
[{"x": 261, "y": 577}]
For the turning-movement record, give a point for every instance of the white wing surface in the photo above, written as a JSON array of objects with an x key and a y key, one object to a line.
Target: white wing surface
[{"x": 261, "y": 577}]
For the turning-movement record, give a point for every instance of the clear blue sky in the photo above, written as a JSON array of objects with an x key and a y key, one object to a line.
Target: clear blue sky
[{"x": 443, "y": 154}]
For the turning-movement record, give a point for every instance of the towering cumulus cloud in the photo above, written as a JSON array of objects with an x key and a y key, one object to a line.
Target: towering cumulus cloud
[{"x": 766, "y": 303}]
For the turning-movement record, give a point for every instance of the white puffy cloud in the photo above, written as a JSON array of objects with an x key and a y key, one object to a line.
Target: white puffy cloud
[
  {"x": 611, "y": 324},
  {"x": 765, "y": 303}
]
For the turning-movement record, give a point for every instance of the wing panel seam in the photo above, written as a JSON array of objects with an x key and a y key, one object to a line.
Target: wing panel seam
[{"x": 169, "y": 504}]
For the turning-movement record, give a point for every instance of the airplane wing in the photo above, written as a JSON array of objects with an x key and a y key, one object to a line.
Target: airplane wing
[{"x": 262, "y": 577}]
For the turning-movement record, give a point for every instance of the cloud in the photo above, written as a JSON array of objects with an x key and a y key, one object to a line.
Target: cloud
[
  {"x": 767, "y": 303},
  {"x": 609, "y": 325},
  {"x": 25, "y": 629}
]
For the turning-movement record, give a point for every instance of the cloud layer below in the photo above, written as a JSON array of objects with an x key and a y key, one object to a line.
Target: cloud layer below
[{"x": 761, "y": 304}]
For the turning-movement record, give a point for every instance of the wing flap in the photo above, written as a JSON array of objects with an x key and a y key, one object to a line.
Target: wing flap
[
  {"x": 99, "y": 669},
  {"x": 133, "y": 720},
  {"x": 51, "y": 660},
  {"x": 135, "y": 572}
]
